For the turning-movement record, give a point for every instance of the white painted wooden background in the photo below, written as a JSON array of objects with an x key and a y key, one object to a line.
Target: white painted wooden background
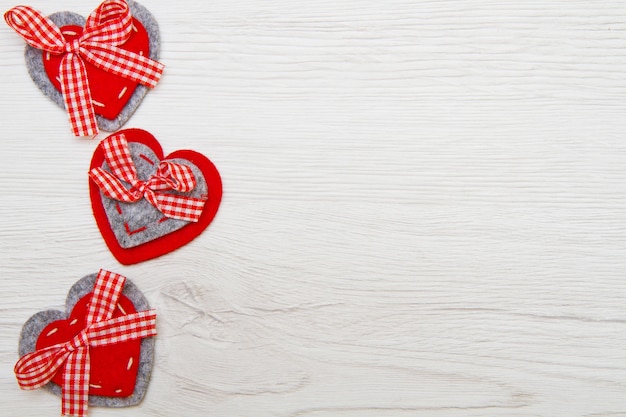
[{"x": 424, "y": 210}]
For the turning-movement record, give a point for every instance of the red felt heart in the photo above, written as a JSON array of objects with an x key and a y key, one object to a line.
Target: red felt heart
[
  {"x": 114, "y": 367},
  {"x": 172, "y": 240},
  {"x": 109, "y": 92}
]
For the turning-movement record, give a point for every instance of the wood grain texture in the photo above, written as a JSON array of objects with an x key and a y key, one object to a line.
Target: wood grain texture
[{"x": 424, "y": 210}]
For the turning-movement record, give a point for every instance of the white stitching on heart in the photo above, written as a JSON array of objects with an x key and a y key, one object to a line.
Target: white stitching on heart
[{"x": 121, "y": 309}]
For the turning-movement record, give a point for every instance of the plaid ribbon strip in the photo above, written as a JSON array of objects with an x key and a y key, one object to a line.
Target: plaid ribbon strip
[
  {"x": 169, "y": 176},
  {"x": 108, "y": 27},
  {"x": 36, "y": 369}
]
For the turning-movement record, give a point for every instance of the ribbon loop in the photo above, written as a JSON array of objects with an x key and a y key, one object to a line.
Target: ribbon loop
[
  {"x": 111, "y": 23},
  {"x": 38, "y": 31},
  {"x": 169, "y": 176},
  {"x": 108, "y": 27},
  {"x": 37, "y": 368}
]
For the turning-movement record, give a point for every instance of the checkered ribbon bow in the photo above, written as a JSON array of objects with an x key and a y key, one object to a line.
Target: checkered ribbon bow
[
  {"x": 108, "y": 27},
  {"x": 169, "y": 176},
  {"x": 36, "y": 369}
]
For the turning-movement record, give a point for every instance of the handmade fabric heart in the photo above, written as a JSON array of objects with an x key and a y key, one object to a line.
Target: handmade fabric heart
[
  {"x": 99, "y": 69},
  {"x": 147, "y": 204},
  {"x": 106, "y": 325}
]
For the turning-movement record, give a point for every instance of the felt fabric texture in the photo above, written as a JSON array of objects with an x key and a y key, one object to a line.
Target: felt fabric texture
[
  {"x": 35, "y": 63},
  {"x": 135, "y": 232},
  {"x": 136, "y": 223},
  {"x": 36, "y": 325}
]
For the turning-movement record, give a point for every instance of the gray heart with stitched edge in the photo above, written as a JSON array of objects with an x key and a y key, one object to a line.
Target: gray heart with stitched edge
[
  {"x": 136, "y": 223},
  {"x": 34, "y": 326},
  {"x": 34, "y": 63}
]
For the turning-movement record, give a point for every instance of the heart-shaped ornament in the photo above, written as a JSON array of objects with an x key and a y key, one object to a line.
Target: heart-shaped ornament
[
  {"x": 119, "y": 373},
  {"x": 114, "y": 98},
  {"x": 143, "y": 229}
]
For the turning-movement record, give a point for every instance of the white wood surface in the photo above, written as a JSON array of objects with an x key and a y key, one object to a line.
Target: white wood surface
[{"x": 424, "y": 210}]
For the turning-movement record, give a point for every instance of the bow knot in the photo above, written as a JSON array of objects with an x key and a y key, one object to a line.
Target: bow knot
[
  {"x": 35, "y": 369},
  {"x": 140, "y": 188},
  {"x": 169, "y": 176},
  {"x": 108, "y": 27},
  {"x": 78, "y": 341},
  {"x": 73, "y": 46}
]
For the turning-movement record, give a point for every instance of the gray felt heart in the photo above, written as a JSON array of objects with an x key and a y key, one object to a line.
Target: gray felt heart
[
  {"x": 137, "y": 223},
  {"x": 34, "y": 326},
  {"x": 37, "y": 71}
]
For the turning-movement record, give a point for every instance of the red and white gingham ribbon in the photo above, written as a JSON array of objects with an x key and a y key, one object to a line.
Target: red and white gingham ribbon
[
  {"x": 169, "y": 176},
  {"x": 108, "y": 27},
  {"x": 36, "y": 369}
]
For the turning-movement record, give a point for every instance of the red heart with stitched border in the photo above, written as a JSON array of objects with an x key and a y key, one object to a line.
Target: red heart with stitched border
[
  {"x": 109, "y": 92},
  {"x": 135, "y": 232},
  {"x": 114, "y": 367}
]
